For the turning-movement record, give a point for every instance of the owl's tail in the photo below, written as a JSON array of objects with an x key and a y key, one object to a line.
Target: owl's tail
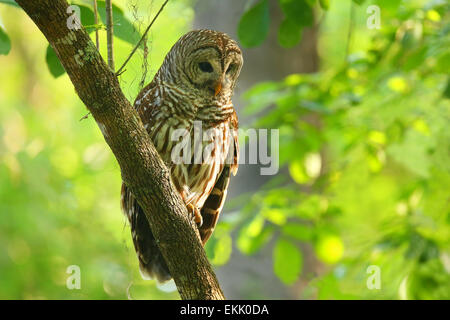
[
  {"x": 151, "y": 262},
  {"x": 213, "y": 205}
]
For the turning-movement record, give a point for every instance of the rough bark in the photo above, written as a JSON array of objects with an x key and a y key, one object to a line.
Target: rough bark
[{"x": 141, "y": 167}]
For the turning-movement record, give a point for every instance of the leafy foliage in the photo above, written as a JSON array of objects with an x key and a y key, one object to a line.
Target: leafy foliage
[
  {"x": 55, "y": 67},
  {"x": 254, "y": 25},
  {"x": 287, "y": 261},
  {"x": 366, "y": 145}
]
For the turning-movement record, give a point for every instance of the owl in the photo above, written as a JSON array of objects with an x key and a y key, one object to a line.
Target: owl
[{"x": 189, "y": 116}]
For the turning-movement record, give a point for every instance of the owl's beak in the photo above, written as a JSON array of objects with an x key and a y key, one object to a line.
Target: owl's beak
[{"x": 217, "y": 88}]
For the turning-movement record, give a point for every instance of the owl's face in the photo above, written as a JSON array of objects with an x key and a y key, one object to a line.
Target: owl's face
[
  {"x": 213, "y": 71},
  {"x": 208, "y": 62}
]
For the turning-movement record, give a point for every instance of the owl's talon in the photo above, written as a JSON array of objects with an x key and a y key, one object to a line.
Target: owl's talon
[{"x": 194, "y": 213}]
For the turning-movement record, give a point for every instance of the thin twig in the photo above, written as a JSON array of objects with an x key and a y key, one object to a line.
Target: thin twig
[
  {"x": 142, "y": 38},
  {"x": 144, "y": 65},
  {"x": 109, "y": 33},
  {"x": 97, "y": 42},
  {"x": 119, "y": 73},
  {"x": 85, "y": 116}
]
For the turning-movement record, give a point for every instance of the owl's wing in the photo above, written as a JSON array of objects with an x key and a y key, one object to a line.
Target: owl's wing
[
  {"x": 214, "y": 203},
  {"x": 151, "y": 262}
]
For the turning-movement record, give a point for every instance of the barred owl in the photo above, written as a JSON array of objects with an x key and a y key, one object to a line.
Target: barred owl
[{"x": 191, "y": 92}]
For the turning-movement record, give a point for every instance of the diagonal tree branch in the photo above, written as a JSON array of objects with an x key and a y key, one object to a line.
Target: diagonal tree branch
[{"x": 142, "y": 169}]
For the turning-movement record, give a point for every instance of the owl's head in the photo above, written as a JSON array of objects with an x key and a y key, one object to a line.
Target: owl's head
[{"x": 209, "y": 62}]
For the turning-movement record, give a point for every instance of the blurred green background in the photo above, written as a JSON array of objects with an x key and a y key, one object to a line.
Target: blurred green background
[{"x": 363, "y": 115}]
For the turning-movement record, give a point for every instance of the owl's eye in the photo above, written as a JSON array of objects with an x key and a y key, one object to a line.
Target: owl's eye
[
  {"x": 231, "y": 67},
  {"x": 205, "y": 66}
]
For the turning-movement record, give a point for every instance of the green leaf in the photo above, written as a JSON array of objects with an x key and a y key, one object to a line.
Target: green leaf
[
  {"x": 359, "y": 2},
  {"x": 287, "y": 261},
  {"x": 298, "y": 172},
  {"x": 251, "y": 240},
  {"x": 123, "y": 28},
  {"x": 87, "y": 18},
  {"x": 329, "y": 248},
  {"x": 5, "y": 42},
  {"x": 298, "y": 11},
  {"x": 275, "y": 215},
  {"x": 10, "y": 2},
  {"x": 55, "y": 67},
  {"x": 289, "y": 34},
  {"x": 254, "y": 25},
  {"x": 222, "y": 250},
  {"x": 324, "y": 4}
]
